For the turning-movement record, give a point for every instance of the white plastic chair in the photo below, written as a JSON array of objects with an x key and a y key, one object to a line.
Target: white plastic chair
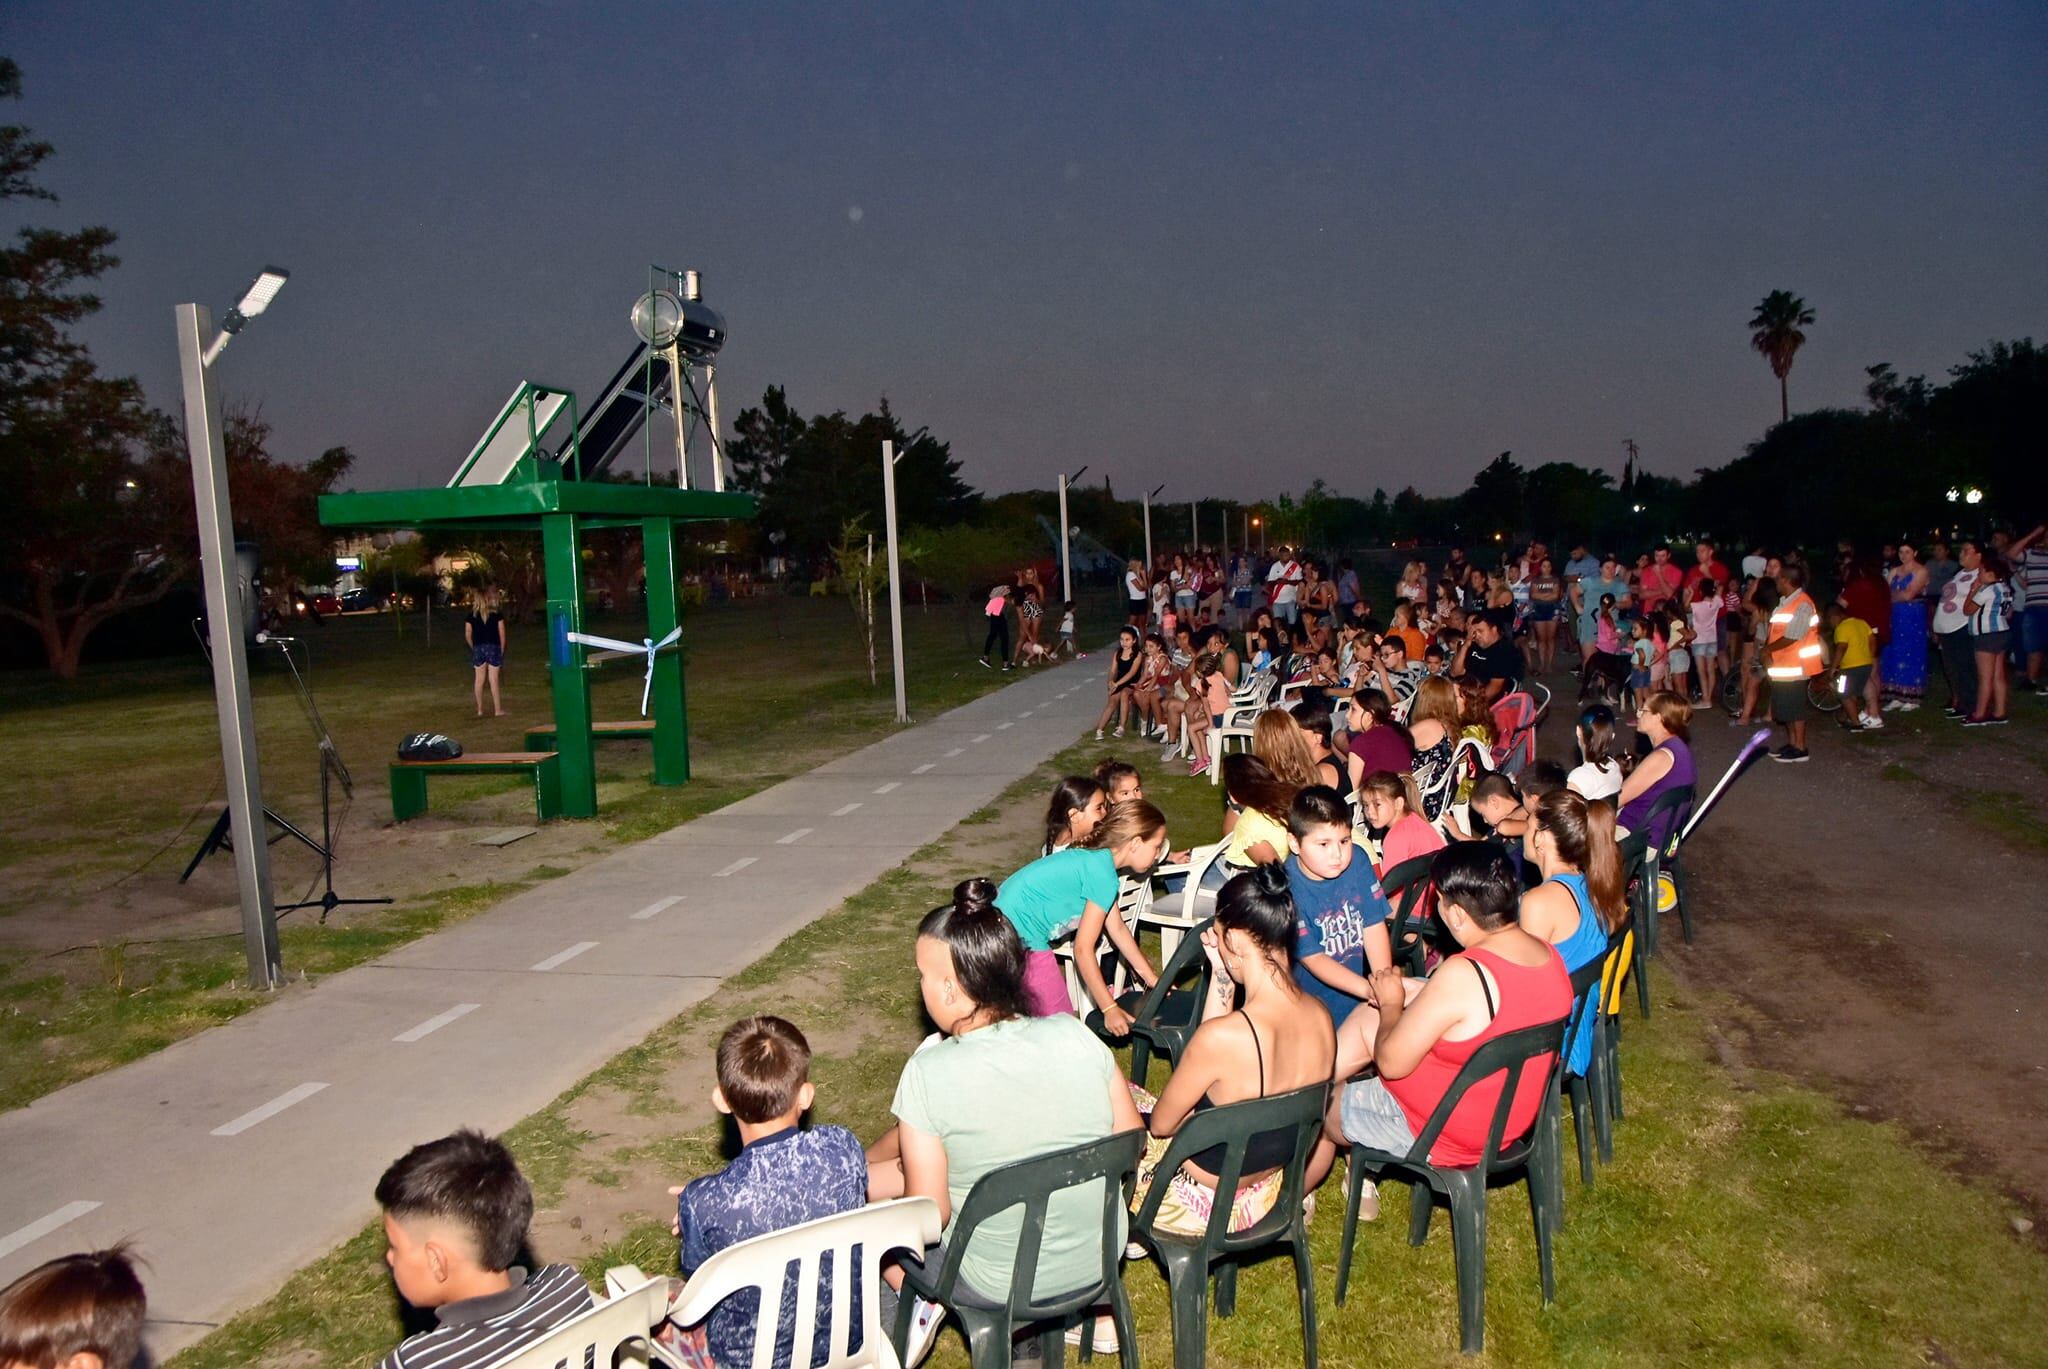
[
  {"x": 1469, "y": 757},
  {"x": 902, "y": 1224},
  {"x": 1133, "y": 897},
  {"x": 1178, "y": 913},
  {"x": 1245, "y": 706},
  {"x": 624, "y": 1321}
]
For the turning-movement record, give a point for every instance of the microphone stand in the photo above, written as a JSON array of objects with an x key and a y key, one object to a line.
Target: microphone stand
[{"x": 331, "y": 770}]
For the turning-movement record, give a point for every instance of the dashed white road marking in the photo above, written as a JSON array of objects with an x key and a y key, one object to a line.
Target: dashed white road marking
[
  {"x": 435, "y": 1023},
  {"x": 43, "y": 1226},
  {"x": 289, "y": 1098},
  {"x": 926, "y": 768},
  {"x": 892, "y": 784},
  {"x": 657, "y": 908},
  {"x": 1004, "y": 727},
  {"x": 844, "y": 809},
  {"x": 742, "y": 863},
  {"x": 794, "y": 837},
  {"x": 1027, "y": 712},
  {"x": 956, "y": 751},
  {"x": 977, "y": 741},
  {"x": 564, "y": 957}
]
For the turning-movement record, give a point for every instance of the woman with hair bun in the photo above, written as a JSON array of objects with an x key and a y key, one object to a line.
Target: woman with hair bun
[
  {"x": 1278, "y": 1039},
  {"x": 997, "y": 1086}
]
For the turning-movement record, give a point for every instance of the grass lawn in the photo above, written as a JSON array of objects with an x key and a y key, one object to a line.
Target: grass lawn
[
  {"x": 1746, "y": 1219},
  {"x": 104, "y": 958}
]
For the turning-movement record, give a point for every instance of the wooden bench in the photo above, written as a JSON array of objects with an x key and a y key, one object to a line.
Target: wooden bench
[
  {"x": 409, "y": 779},
  {"x": 635, "y": 730}
]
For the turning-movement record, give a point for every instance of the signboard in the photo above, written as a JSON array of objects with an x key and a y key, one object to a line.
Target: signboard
[{"x": 346, "y": 563}]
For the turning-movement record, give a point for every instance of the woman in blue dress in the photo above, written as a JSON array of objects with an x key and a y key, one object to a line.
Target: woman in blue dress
[{"x": 1903, "y": 663}]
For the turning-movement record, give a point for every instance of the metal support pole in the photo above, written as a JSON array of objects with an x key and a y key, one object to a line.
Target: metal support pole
[
  {"x": 1066, "y": 537},
  {"x": 895, "y": 578},
  {"x": 1194, "y": 526},
  {"x": 230, "y": 657},
  {"x": 711, "y": 419},
  {"x": 676, "y": 391}
]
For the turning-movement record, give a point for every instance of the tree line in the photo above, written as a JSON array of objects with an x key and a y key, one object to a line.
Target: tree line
[{"x": 98, "y": 519}]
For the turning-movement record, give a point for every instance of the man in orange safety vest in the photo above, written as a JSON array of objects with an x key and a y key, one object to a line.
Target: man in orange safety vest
[{"x": 1793, "y": 655}]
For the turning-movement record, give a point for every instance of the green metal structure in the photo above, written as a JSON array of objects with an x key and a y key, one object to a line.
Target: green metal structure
[{"x": 537, "y": 495}]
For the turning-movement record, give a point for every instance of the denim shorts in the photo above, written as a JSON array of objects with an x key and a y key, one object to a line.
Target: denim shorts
[
  {"x": 1372, "y": 1117},
  {"x": 2033, "y": 627}
]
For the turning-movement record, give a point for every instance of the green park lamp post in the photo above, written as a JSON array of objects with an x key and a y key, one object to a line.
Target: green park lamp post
[{"x": 199, "y": 346}]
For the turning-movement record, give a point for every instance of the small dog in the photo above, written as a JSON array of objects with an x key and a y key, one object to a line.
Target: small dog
[{"x": 1603, "y": 679}]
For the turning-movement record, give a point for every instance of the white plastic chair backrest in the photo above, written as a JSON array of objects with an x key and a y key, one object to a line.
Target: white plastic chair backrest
[
  {"x": 594, "y": 1338},
  {"x": 905, "y": 1223},
  {"x": 1133, "y": 897}
]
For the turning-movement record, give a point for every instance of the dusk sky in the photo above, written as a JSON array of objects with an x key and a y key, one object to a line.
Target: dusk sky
[{"x": 1232, "y": 248}]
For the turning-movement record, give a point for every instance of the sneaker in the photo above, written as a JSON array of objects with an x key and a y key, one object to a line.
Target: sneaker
[
  {"x": 1118, "y": 733},
  {"x": 1738, "y": 722},
  {"x": 1008, "y": 666},
  {"x": 1369, "y": 1202},
  {"x": 1894, "y": 705},
  {"x": 1788, "y": 754},
  {"x": 1974, "y": 721},
  {"x": 1908, "y": 706},
  {"x": 1098, "y": 734},
  {"x": 1198, "y": 766},
  {"x": 2041, "y": 690},
  {"x": 1105, "y": 1336},
  {"x": 2000, "y": 721},
  {"x": 985, "y": 665},
  {"x": 1168, "y": 754},
  {"x": 925, "y": 1320},
  {"x": 1872, "y": 723},
  {"x": 1952, "y": 713}
]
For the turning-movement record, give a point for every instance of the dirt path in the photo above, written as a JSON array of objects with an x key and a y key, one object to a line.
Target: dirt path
[{"x": 1885, "y": 935}]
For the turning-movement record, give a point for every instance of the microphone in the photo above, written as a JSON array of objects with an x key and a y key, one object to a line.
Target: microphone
[{"x": 264, "y": 637}]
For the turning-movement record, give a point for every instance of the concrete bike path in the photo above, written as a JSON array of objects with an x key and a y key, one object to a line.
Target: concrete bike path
[{"x": 240, "y": 1155}]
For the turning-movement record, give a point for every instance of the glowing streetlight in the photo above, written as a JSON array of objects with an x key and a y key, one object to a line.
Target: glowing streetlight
[{"x": 196, "y": 355}]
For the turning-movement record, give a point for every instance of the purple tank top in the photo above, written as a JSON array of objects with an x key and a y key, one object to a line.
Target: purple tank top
[{"x": 1678, "y": 776}]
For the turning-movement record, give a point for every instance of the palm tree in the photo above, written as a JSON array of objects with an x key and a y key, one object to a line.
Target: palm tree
[{"x": 1777, "y": 323}]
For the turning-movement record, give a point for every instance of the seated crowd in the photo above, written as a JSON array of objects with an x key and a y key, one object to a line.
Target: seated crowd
[{"x": 1359, "y": 776}]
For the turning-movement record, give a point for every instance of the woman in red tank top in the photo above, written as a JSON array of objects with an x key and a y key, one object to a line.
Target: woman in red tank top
[{"x": 1421, "y": 1033}]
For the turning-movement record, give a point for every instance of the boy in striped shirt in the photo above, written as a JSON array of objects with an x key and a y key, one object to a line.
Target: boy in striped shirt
[{"x": 455, "y": 1217}]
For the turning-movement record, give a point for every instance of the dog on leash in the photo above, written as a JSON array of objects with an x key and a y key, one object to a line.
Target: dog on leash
[{"x": 1603, "y": 679}]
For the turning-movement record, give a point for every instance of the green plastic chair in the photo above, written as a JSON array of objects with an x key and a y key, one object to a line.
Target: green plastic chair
[
  {"x": 1639, "y": 877},
  {"x": 1678, "y": 803},
  {"x": 1531, "y": 1157},
  {"x": 1189, "y": 1263},
  {"x": 990, "y": 1325},
  {"x": 1607, "y": 1044},
  {"x": 1164, "y": 1017},
  {"x": 1587, "y": 1111},
  {"x": 1407, "y": 886}
]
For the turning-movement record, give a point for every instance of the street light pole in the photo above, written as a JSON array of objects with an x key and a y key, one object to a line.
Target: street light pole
[
  {"x": 198, "y": 346},
  {"x": 1149, "y": 563},
  {"x": 889, "y": 460},
  {"x": 1066, "y": 538},
  {"x": 1194, "y": 526}
]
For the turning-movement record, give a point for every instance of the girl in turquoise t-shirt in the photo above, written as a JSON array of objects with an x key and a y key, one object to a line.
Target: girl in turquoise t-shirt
[{"x": 1072, "y": 891}]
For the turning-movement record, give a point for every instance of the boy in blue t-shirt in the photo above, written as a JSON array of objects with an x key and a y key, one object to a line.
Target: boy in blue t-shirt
[
  {"x": 1340, "y": 913},
  {"x": 782, "y": 1177}
]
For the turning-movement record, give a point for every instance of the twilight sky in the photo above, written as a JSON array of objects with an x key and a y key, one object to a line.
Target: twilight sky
[{"x": 1228, "y": 247}]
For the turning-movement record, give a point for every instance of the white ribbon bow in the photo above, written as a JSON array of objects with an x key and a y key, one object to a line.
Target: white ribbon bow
[{"x": 645, "y": 645}]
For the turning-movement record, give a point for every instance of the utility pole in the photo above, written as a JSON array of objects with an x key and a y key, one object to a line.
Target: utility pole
[
  {"x": 889, "y": 459},
  {"x": 1148, "y": 527}
]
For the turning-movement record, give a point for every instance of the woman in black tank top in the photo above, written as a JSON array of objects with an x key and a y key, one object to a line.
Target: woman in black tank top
[{"x": 1279, "y": 1040}]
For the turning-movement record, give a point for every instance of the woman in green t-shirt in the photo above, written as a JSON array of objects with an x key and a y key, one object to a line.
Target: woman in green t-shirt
[{"x": 997, "y": 1086}]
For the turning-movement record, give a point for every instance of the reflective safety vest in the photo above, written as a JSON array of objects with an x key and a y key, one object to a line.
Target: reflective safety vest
[{"x": 1805, "y": 660}]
